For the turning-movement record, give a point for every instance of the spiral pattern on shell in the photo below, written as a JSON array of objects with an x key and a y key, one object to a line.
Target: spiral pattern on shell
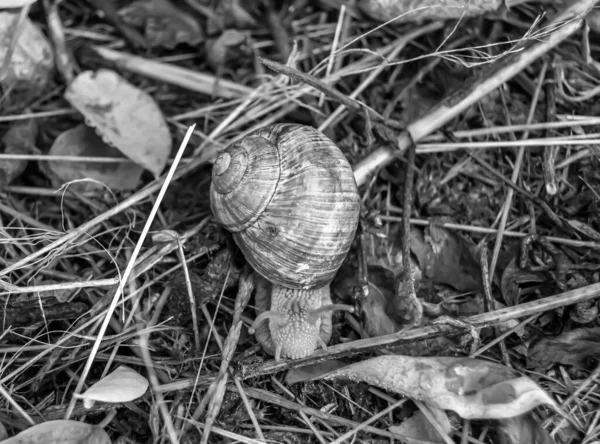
[{"x": 288, "y": 195}]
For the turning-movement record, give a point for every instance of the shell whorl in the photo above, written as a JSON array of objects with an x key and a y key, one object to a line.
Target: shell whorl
[
  {"x": 300, "y": 234},
  {"x": 244, "y": 179}
]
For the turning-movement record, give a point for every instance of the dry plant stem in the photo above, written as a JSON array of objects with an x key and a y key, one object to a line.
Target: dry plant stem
[
  {"x": 83, "y": 229},
  {"x": 17, "y": 29},
  {"x": 328, "y": 90},
  {"x": 503, "y": 336},
  {"x": 217, "y": 389},
  {"x": 154, "y": 383},
  {"x": 349, "y": 434},
  {"x": 128, "y": 271},
  {"x": 220, "y": 383},
  {"x": 409, "y": 284},
  {"x": 15, "y": 405},
  {"x": 515, "y": 176},
  {"x": 312, "y": 427},
  {"x": 191, "y": 297},
  {"x": 418, "y": 334},
  {"x": 499, "y": 72},
  {"x": 484, "y": 230},
  {"x": 398, "y": 47},
  {"x": 514, "y": 187},
  {"x": 251, "y": 415},
  {"x": 64, "y": 62},
  {"x": 489, "y": 299},
  {"x": 175, "y": 75},
  {"x": 549, "y": 164},
  {"x": 280, "y": 401},
  {"x": 424, "y": 408},
  {"x": 592, "y": 378}
]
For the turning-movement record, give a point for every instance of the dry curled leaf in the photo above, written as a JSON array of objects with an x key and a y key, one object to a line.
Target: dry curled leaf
[
  {"x": 82, "y": 141},
  {"x": 409, "y": 11},
  {"x": 513, "y": 277},
  {"x": 472, "y": 388},
  {"x": 124, "y": 116},
  {"x": 62, "y": 431},
  {"x": 32, "y": 61},
  {"x": 164, "y": 23},
  {"x": 122, "y": 385},
  {"x": 446, "y": 257}
]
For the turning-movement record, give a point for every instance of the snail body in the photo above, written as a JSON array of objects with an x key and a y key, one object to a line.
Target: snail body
[{"x": 288, "y": 195}]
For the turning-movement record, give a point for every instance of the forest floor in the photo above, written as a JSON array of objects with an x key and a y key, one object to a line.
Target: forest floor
[{"x": 473, "y": 320}]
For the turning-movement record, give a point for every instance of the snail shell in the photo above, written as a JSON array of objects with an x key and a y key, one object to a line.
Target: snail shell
[{"x": 288, "y": 195}]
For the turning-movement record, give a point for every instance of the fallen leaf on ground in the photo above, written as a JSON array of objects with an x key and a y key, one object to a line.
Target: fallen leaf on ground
[
  {"x": 32, "y": 61},
  {"x": 19, "y": 139},
  {"x": 61, "y": 431},
  {"x": 446, "y": 257},
  {"x": 513, "y": 277},
  {"x": 419, "y": 427},
  {"x": 580, "y": 347},
  {"x": 82, "y": 141},
  {"x": 122, "y": 385},
  {"x": 472, "y": 388},
  {"x": 525, "y": 428},
  {"x": 164, "y": 23},
  {"x": 124, "y": 116}
]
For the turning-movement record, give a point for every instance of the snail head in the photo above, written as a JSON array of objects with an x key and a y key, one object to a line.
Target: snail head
[{"x": 295, "y": 321}]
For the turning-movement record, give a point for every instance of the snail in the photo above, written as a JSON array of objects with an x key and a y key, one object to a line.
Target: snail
[{"x": 288, "y": 195}]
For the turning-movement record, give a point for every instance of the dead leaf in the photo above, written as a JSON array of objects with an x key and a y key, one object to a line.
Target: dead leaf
[
  {"x": 83, "y": 141},
  {"x": 580, "y": 347},
  {"x": 122, "y": 385},
  {"x": 512, "y": 277},
  {"x": 446, "y": 257},
  {"x": 124, "y": 116},
  {"x": 164, "y": 23},
  {"x": 472, "y": 388},
  {"x": 522, "y": 429},
  {"x": 419, "y": 427},
  {"x": 19, "y": 139},
  {"x": 32, "y": 62},
  {"x": 61, "y": 431},
  {"x": 416, "y": 11}
]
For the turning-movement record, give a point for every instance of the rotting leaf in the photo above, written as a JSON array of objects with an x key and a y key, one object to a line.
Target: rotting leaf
[
  {"x": 122, "y": 385},
  {"x": 580, "y": 347},
  {"x": 124, "y": 116},
  {"x": 472, "y": 388},
  {"x": 446, "y": 257},
  {"x": 419, "y": 427},
  {"x": 83, "y": 141},
  {"x": 61, "y": 431},
  {"x": 19, "y": 139},
  {"x": 32, "y": 62},
  {"x": 165, "y": 25},
  {"x": 512, "y": 277},
  {"x": 525, "y": 428}
]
